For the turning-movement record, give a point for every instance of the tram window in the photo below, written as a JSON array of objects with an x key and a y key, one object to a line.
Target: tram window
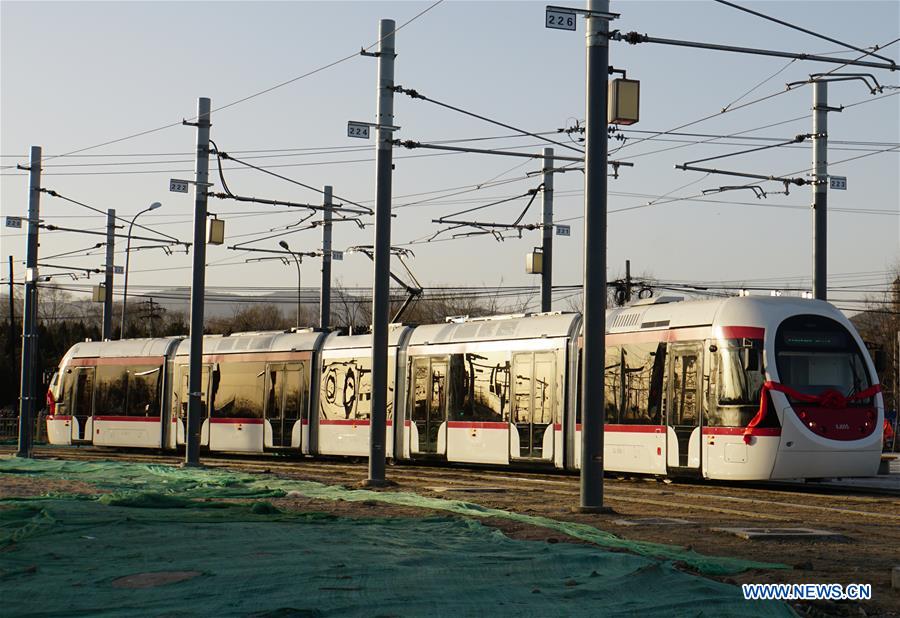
[
  {"x": 544, "y": 382},
  {"x": 487, "y": 387},
  {"x": 521, "y": 405},
  {"x": 420, "y": 389},
  {"x": 684, "y": 389},
  {"x": 65, "y": 391},
  {"x": 112, "y": 390},
  {"x": 84, "y": 390},
  {"x": 612, "y": 383},
  {"x": 143, "y": 391},
  {"x": 238, "y": 390},
  {"x": 642, "y": 366},
  {"x": 347, "y": 389},
  {"x": 296, "y": 385}
]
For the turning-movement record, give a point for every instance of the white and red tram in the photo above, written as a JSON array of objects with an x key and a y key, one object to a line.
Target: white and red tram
[{"x": 747, "y": 388}]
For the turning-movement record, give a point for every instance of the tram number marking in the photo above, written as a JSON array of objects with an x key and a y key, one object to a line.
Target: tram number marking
[{"x": 559, "y": 20}]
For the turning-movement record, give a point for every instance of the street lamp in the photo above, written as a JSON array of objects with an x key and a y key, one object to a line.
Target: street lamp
[
  {"x": 297, "y": 259},
  {"x": 152, "y": 206}
]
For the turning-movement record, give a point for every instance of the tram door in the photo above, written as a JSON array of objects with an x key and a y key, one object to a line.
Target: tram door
[
  {"x": 83, "y": 401},
  {"x": 534, "y": 397},
  {"x": 285, "y": 401},
  {"x": 683, "y": 405},
  {"x": 429, "y": 403}
]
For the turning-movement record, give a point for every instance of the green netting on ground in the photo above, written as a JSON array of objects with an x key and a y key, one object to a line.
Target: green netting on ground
[{"x": 62, "y": 554}]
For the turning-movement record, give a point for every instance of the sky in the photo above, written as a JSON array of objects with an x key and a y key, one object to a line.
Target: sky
[{"x": 77, "y": 74}]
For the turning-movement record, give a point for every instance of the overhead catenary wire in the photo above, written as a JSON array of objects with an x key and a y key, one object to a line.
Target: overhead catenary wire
[{"x": 804, "y": 30}]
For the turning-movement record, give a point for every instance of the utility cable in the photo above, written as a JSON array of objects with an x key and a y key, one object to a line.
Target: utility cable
[
  {"x": 804, "y": 30},
  {"x": 249, "y": 97}
]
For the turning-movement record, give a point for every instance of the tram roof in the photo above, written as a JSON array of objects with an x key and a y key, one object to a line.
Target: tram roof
[
  {"x": 122, "y": 348},
  {"x": 264, "y": 341},
  {"x": 735, "y": 310},
  {"x": 337, "y": 341},
  {"x": 496, "y": 329}
]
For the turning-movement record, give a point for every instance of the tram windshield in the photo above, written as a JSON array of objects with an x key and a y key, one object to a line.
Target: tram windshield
[{"x": 815, "y": 354}]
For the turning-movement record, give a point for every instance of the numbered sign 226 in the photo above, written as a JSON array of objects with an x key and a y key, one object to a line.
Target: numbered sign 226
[{"x": 561, "y": 20}]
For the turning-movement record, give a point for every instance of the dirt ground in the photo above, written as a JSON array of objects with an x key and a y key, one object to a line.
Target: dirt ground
[{"x": 870, "y": 524}]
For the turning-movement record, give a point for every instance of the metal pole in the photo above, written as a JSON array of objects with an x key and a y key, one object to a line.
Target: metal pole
[
  {"x": 820, "y": 190},
  {"x": 12, "y": 307},
  {"x": 627, "y": 282},
  {"x": 547, "y": 258},
  {"x": 325, "y": 292},
  {"x": 382, "y": 252},
  {"x": 28, "y": 400},
  {"x": 108, "y": 278},
  {"x": 125, "y": 286},
  {"x": 195, "y": 383},
  {"x": 593, "y": 361},
  {"x": 297, "y": 262}
]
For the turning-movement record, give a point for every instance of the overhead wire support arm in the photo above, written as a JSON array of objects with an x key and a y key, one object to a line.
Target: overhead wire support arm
[
  {"x": 689, "y": 165},
  {"x": 708, "y": 170},
  {"x": 842, "y": 77},
  {"x": 223, "y": 155},
  {"x": 416, "y": 95},
  {"x": 57, "y": 228},
  {"x": 634, "y": 38},
  {"x": 410, "y": 144}
]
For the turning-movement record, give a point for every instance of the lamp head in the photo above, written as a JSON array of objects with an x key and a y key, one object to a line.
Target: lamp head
[
  {"x": 283, "y": 245},
  {"x": 154, "y": 206}
]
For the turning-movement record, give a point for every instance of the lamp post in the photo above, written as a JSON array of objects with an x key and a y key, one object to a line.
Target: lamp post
[
  {"x": 297, "y": 259},
  {"x": 152, "y": 206}
]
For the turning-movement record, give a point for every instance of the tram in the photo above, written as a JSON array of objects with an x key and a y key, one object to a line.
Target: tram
[{"x": 747, "y": 388}]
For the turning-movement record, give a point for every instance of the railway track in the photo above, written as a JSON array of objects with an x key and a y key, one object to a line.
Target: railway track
[{"x": 756, "y": 502}]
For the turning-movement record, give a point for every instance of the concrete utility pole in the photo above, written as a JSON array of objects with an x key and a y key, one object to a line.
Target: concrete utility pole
[
  {"x": 195, "y": 383},
  {"x": 108, "y": 275},
  {"x": 594, "y": 329},
  {"x": 28, "y": 399},
  {"x": 820, "y": 190},
  {"x": 325, "y": 292},
  {"x": 382, "y": 251},
  {"x": 547, "y": 257}
]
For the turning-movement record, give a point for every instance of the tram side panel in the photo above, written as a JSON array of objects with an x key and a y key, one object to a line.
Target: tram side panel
[{"x": 345, "y": 402}]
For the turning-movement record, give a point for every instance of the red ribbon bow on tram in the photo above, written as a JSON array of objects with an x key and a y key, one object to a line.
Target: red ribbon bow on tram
[{"x": 828, "y": 399}]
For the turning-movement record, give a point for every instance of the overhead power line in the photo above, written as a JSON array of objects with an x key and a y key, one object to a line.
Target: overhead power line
[{"x": 251, "y": 96}]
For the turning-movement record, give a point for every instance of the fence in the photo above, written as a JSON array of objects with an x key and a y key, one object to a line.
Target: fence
[{"x": 9, "y": 429}]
